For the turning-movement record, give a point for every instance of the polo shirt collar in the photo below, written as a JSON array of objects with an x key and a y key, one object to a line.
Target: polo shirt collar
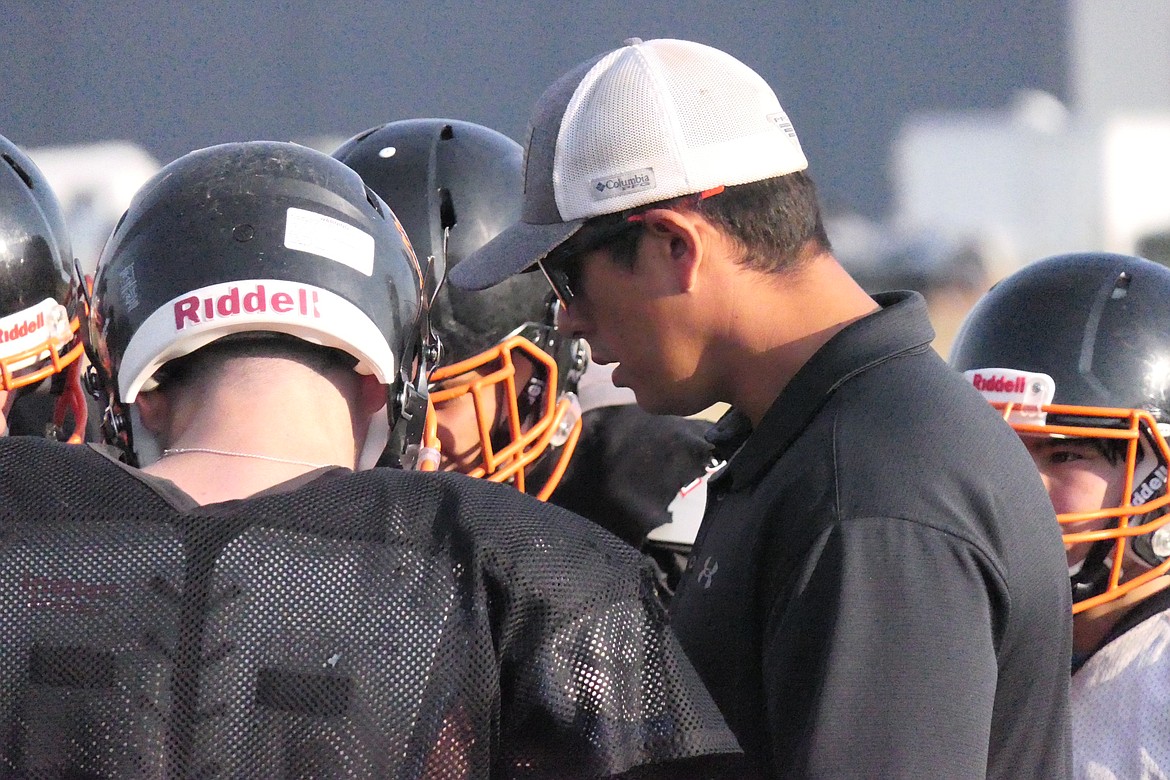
[{"x": 899, "y": 327}]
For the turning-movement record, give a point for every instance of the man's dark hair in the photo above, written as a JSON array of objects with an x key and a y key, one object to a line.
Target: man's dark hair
[
  {"x": 1114, "y": 450},
  {"x": 772, "y": 220}
]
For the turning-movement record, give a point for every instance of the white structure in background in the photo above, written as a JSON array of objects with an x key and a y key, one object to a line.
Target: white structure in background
[
  {"x": 94, "y": 183},
  {"x": 1036, "y": 178}
]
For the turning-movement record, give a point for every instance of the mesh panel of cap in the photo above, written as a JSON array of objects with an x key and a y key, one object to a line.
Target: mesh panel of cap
[
  {"x": 712, "y": 108},
  {"x": 380, "y": 624},
  {"x": 666, "y": 118}
]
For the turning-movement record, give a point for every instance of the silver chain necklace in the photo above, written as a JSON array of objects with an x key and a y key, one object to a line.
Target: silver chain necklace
[{"x": 272, "y": 458}]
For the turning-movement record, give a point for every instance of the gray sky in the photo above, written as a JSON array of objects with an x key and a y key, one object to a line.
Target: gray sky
[{"x": 175, "y": 77}]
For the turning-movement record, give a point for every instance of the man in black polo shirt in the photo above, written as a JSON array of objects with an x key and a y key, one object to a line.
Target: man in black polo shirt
[{"x": 877, "y": 588}]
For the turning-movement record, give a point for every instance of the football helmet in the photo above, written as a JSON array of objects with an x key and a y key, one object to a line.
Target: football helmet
[
  {"x": 38, "y": 317},
  {"x": 1078, "y": 346},
  {"x": 455, "y": 185},
  {"x": 247, "y": 237}
]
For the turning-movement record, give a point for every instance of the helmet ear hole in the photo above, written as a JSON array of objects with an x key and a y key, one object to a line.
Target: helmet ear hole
[
  {"x": 447, "y": 217},
  {"x": 373, "y": 199}
]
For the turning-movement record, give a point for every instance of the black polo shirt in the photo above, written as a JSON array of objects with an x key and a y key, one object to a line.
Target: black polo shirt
[{"x": 879, "y": 587}]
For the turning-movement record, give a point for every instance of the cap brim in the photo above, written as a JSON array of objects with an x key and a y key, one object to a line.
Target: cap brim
[{"x": 514, "y": 250}]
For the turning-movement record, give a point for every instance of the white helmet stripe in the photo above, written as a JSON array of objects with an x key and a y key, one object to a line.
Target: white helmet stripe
[{"x": 195, "y": 319}]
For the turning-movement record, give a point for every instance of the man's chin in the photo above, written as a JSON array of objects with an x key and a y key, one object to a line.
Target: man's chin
[
  {"x": 621, "y": 378},
  {"x": 650, "y": 397},
  {"x": 644, "y": 395}
]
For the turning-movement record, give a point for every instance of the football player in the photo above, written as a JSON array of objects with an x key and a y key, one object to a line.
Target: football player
[
  {"x": 1075, "y": 350},
  {"x": 512, "y": 398},
  {"x": 39, "y": 346},
  {"x": 255, "y": 601}
]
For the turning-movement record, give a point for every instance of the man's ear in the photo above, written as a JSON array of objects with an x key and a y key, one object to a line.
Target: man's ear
[{"x": 684, "y": 236}]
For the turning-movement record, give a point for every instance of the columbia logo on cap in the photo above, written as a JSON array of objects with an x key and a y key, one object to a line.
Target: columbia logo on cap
[{"x": 630, "y": 181}]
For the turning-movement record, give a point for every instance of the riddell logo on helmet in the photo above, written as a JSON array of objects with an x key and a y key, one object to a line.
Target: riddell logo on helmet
[
  {"x": 999, "y": 384},
  {"x": 1150, "y": 487},
  {"x": 254, "y": 299},
  {"x": 22, "y": 329}
]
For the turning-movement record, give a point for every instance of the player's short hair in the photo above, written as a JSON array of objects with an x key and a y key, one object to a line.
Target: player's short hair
[{"x": 209, "y": 360}]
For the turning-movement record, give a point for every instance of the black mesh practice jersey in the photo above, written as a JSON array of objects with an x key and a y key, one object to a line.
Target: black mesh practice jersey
[{"x": 374, "y": 624}]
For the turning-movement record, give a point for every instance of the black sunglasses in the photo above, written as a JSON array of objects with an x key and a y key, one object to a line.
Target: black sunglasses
[{"x": 563, "y": 268}]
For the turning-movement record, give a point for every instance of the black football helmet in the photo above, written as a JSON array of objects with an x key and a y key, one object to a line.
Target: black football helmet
[
  {"x": 38, "y": 311},
  {"x": 245, "y": 237},
  {"x": 455, "y": 185},
  {"x": 1078, "y": 345}
]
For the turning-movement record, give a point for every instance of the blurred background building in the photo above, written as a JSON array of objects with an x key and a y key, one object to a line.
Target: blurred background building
[
  {"x": 1039, "y": 175},
  {"x": 951, "y": 142}
]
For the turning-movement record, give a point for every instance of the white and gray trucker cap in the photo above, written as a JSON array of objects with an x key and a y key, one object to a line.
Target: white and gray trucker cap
[{"x": 646, "y": 122}]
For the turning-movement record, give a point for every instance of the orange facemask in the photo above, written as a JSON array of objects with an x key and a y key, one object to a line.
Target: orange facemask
[
  {"x": 1142, "y": 510},
  {"x": 516, "y": 424}
]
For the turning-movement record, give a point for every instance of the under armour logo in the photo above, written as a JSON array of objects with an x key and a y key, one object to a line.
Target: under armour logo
[
  {"x": 710, "y": 566},
  {"x": 333, "y": 659}
]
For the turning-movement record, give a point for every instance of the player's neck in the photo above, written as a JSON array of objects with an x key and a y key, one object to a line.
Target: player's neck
[
  {"x": 1091, "y": 627},
  {"x": 235, "y": 438}
]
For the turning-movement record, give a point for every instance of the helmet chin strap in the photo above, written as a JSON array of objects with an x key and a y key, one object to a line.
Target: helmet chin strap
[
  {"x": 405, "y": 448},
  {"x": 1092, "y": 577}
]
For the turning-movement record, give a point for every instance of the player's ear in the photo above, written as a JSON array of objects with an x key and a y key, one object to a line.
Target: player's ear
[
  {"x": 154, "y": 409},
  {"x": 371, "y": 395}
]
